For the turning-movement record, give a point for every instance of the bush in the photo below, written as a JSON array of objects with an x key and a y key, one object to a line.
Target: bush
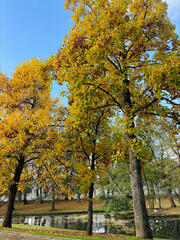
[{"x": 117, "y": 204}]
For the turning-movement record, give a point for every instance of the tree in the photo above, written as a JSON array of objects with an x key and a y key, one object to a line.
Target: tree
[
  {"x": 117, "y": 192},
  {"x": 91, "y": 148},
  {"x": 163, "y": 170},
  {"x": 126, "y": 52},
  {"x": 24, "y": 108},
  {"x": 55, "y": 167},
  {"x": 118, "y": 182}
]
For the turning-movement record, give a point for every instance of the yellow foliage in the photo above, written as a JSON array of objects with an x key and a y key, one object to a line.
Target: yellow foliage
[{"x": 25, "y": 108}]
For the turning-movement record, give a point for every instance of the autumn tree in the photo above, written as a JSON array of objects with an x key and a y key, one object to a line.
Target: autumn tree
[
  {"x": 55, "y": 166},
  {"x": 116, "y": 189},
  {"x": 126, "y": 51},
  {"x": 24, "y": 108},
  {"x": 90, "y": 145},
  {"x": 163, "y": 170}
]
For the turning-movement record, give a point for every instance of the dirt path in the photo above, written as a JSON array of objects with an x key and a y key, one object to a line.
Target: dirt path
[{"x": 7, "y": 235}]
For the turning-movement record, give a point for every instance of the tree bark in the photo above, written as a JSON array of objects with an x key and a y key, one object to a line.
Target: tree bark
[
  {"x": 159, "y": 202},
  {"x": 90, "y": 210},
  {"x": 37, "y": 193},
  {"x": 90, "y": 202},
  {"x": 143, "y": 229},
  {"x": 53, "y": 200},
  {"x": 12, "y": 193},
  {"x": 40, "y": 197},
  {"x": 19, "y": 196},
  {"x": 78, "y": 197},
  {"x": 152, "y": 195},
  {"x": 25, "y": 197},
  {"x": 171, "y": 198},
  {"x": 158, "y": 197},
  {"x": 149, "y": 192}
]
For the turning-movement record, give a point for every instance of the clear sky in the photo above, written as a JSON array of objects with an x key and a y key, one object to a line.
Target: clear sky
[{"x": 36, "y": 28}]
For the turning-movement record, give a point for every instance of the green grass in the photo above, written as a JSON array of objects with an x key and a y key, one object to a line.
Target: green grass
[
  {"x": 49, "y": 231},
  {"x": 61, "y": 206},
  {"x": 74, "y": 206}
]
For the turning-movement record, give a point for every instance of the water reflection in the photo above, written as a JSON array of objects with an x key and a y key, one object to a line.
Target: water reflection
[
  {"x": 165, "y": 228},
  {"x": 169, "y": 228}
]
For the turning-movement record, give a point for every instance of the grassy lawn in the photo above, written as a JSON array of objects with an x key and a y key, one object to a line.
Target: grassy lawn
[
  {"x": 74, "y": 206},
  {"x": 61, "y": 206},
  {"x": 166, "y": 208},
  {"x": 49, "y": 231}
]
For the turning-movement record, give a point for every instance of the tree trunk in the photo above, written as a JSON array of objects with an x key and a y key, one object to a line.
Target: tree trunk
[
  {"x": 37, "y": 193},
  {"x": 19, "y": 197},
  {"x": 171, "y": 198},
  {"x": 24, "y": 197},
  {"x": 158, "y": 196},
  {"x": 53, "y": 200},
  {"x": 152, "y": 195},
  {"x": 78, "y": 197},
  {"x": 159, "y": 202},
  {"x": 143, "y": 229},
  {"x": 90, "y": 202},
  {"x": 12, "y": 193},
  {"x": 90, "y": 210},
  {"x": 149, "y": 192},
  {"x": 40, "y": 197}
]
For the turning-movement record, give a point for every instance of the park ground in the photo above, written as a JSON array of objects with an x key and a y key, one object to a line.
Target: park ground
[
  {"x": 26, "y": 232},
  {"x": 82, "y": 206}
]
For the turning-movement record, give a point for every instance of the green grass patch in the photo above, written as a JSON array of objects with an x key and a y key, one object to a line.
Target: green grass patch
[
  {"x": 63, "y": 206},
  {"x": 60, "y": 205},
  {"x": 63, "y": 233}
]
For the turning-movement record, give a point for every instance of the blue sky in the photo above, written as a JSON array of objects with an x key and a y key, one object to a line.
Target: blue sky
[
  {"x": 36, "y": 28},
  {"x": 31, "y": 28}
]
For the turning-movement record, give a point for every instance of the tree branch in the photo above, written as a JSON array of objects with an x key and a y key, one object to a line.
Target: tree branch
[
  {"x": 82, "y": 144},
  {"x": 100, "y": 88},
  {"x": 171, "y": 102},
  {"x": 145, "y": 106},
  {"x": 112, "y": 63},
  {"x": 32, "y": 159}
]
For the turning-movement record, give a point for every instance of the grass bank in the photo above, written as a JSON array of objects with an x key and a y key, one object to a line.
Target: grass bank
[
  {"x": 62, "y": 206},
  {"x": 74, "y": 234},
  {"x": 72, "y": 206}
]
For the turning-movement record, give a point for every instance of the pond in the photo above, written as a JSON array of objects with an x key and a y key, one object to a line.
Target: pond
[{"x": 162, "y": 227}]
